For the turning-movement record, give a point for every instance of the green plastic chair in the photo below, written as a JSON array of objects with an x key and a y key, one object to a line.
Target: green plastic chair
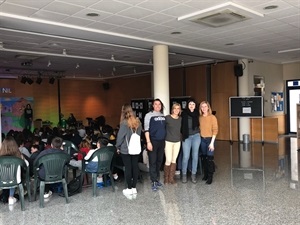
[
  {"x": 70, "y": 148},
  {"x": 55, "y": 165},
  {"x": 9, "y": 176},
  {"x": 104, "y": 156}
]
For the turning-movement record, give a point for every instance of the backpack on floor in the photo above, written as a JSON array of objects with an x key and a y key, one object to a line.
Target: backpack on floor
[{"x": 74, "y": 186}]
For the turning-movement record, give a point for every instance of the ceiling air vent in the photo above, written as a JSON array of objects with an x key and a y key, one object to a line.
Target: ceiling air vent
[{"x": 220, "y": 19}]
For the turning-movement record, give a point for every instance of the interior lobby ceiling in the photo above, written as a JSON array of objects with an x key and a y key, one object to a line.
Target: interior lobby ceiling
[{"x": 105, "y": 39}]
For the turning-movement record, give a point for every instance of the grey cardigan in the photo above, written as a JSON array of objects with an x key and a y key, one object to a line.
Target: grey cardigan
[{"x": 125, "y": 132}]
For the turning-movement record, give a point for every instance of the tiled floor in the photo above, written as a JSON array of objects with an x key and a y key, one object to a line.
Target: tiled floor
[{"x": 253, "y": 184}]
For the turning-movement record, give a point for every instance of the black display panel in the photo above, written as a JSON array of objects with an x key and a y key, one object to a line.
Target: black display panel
[
  {"x": 182, "y": 100},
  {"x": 248, "y": 106},
  {"x": 141, "y": 107}
]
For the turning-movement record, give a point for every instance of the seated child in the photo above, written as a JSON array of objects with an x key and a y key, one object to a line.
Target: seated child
[
  {"x": 92, "y": 166},
  {"x": 84, "y": 148}
]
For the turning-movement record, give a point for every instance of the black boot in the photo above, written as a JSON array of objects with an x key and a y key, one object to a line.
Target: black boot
[
  {"x": 204, "y": 165},
  {"x": 210, "y": 168}
]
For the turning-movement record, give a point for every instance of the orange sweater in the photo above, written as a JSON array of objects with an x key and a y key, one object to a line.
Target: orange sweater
[{"x": 208, "y": 126}]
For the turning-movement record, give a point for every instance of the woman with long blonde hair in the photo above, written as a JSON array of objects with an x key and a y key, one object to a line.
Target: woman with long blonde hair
[
  {"x": 208, "y": 132},
  {"x": 129, "y": 124}
]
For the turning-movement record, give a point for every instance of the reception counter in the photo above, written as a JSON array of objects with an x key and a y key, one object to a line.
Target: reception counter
[{"x": 273, "y": 126}]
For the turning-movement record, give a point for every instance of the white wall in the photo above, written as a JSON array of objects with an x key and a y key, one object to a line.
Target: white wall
[
  {"x": 273, "y": 76},
  {"x": 291, "y": 71}
]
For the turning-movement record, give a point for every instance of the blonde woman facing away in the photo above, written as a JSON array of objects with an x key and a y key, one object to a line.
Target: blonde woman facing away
[
  {"x": 129, "y": 123},
  {"x": 208, "y": 132}
]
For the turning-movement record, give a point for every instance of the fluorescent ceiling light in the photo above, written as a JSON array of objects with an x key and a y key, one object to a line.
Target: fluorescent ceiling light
[
  {"x": 71, "y": 56},
  {"x": 289, "y": 50}
]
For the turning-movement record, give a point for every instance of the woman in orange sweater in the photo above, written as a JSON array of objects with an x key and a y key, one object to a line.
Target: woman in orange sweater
[{"x": 208, "y": 132}]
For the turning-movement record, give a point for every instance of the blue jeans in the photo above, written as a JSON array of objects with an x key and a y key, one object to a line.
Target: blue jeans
[
  {"x": 91, "y": 167},
  {"x": 204, "y": 146},
  {"x": 192, "y": 142}
]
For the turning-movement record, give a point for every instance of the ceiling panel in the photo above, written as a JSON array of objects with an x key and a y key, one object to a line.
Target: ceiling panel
[
  {"x": 45, "y": 15},
  {"x": 63, "y": 8},
  {"x": 129, "y": 29},
  {"x": 16, "y": 9}
]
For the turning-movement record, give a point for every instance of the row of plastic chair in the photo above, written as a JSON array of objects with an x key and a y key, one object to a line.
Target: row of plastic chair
[{"x": 56, "y": 170}]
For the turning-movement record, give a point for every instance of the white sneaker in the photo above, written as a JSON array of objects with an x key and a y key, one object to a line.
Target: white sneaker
[
  {"x": 12, "y": 200},
  {"x": 47, "y": 195},
  {"x": 129, "y": 197},
  {"x": 127, "y": 191},
  {"x": 134, "y": 191}
]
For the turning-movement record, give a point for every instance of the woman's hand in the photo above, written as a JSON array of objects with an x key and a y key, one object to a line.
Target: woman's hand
[
  {"x": 211, "y": 147},
  {"x": 149, "y": 146}
]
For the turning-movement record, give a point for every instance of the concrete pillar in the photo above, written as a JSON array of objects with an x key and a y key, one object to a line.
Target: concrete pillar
[
  {"x": 161, "y": 75},
  {"x": 244, "y": 123}
]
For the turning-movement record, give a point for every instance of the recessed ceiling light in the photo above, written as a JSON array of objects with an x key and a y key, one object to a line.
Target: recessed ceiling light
[
  {"x": 176, "y": 32},
  {"x": 229, "y": 44},
  {"x": 271, "y": 7},
  {"x": 92, "y": 14}
]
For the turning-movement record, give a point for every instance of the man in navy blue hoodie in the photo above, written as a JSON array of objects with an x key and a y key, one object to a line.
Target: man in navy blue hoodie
[{"x": 155, "y": 133}]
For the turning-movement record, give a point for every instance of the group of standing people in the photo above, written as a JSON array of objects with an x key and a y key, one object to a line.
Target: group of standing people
[{"x": 194, "y": 128}]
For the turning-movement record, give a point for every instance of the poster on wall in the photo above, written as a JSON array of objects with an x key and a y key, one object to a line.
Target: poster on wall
[
  {"x": 12, "y": 113},
  {"x": 277, "y": 101}
]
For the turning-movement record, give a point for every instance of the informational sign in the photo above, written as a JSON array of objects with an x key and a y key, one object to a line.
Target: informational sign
[
  {"x": 277, "y": 101},
  {"x": 248, "y": 106}
]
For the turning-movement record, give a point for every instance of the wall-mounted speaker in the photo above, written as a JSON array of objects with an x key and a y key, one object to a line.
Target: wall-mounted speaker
[
  {"x": 106, "y": 86},
  {"x": 238, "y": 70}
]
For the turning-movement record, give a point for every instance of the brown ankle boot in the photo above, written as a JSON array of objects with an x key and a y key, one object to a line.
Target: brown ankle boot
[
  {"x": 172, "y": 173},
  {"x": 166, "y": 174}
]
